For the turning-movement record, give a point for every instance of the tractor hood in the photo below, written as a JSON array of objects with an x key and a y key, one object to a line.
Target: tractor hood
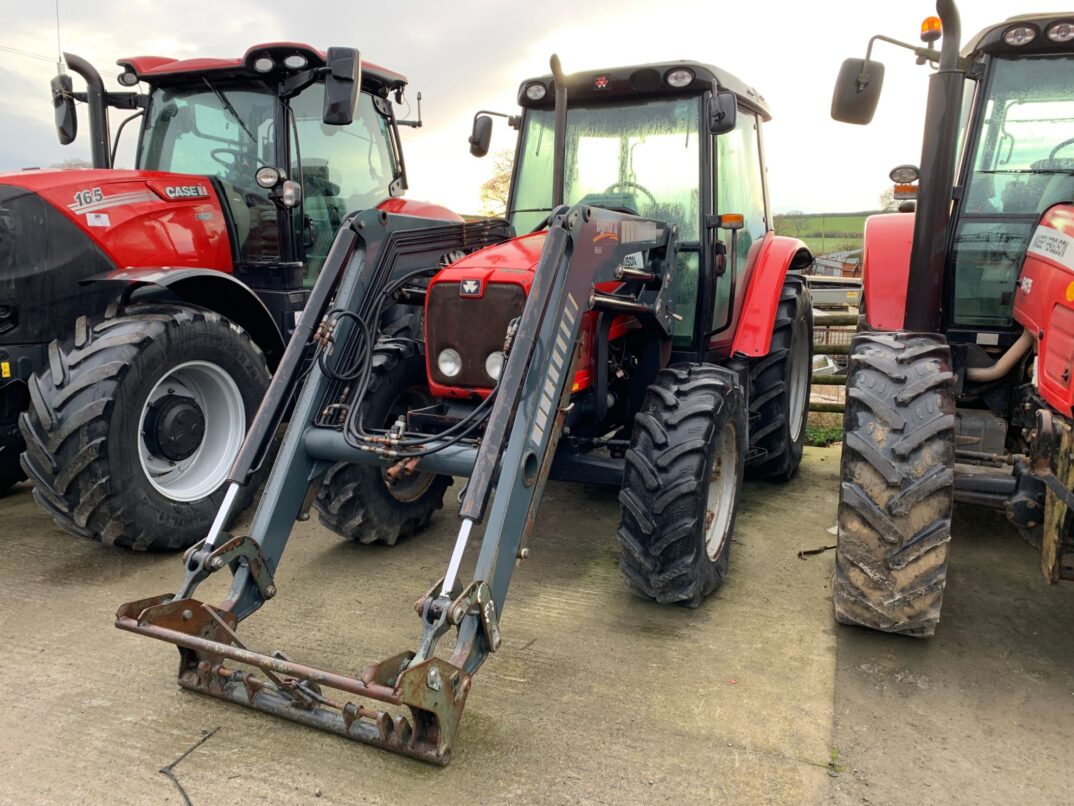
[
  {"x": 518, "y": 254},
  {"x": 58, "y": 228}
]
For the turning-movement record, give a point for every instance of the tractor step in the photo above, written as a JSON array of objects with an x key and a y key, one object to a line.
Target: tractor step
[{"x": 434, "y": 690}]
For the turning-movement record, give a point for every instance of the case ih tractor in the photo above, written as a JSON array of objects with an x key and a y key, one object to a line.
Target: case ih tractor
[
  {"x": 962, "y": 390},
  {"x": 646, "y": 331},
  {"x": 141, "y": 312}
]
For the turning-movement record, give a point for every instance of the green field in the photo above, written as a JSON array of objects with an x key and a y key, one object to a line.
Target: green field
[{"x": 824, "y": 232}]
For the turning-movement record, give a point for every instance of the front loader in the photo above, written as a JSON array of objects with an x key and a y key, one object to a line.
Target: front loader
[{"x": 586, "y": 350}]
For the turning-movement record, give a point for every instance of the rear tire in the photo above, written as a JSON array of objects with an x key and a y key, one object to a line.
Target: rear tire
[
  {"x": 681, "y": 484},
  {"x": 779, "y": 387},
  {"x": 897, "y": 483},
  {"x": 355, "y": 501},
  {"x": 94, "y": 468}
]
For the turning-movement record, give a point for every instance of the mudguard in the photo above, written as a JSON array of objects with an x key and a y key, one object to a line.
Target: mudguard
[
  {"x": 211, "y": 289},
  {"x": 886, "y": 268},
  {"x": 418, "y": 209},
  {"x": 778, "y": 255}
]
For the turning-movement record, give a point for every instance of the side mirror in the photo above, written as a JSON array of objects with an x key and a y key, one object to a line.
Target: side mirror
[
  {"x": 341, "y": 84},
  {"x": 857, "y": 91},
  {"x": 481, "y": 137},
  {"x": 723, "y": 112},
  {"x": 64, "y": 106}
]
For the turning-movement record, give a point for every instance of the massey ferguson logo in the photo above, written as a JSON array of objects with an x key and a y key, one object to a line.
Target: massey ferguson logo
[
  {"x": 470, "y": 288},
  {"x": 186, "y": 192}
]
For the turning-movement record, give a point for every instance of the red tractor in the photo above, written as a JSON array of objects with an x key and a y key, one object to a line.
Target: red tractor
[
  {"x": 960, "y": 389},
  {"x": 142, "y": 311}
]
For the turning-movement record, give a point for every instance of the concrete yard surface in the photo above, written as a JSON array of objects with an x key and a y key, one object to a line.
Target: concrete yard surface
[{"x": 595, "y": 695}]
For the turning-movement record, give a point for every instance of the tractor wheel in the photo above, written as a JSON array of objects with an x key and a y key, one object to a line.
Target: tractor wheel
[
  {"x": 10, "y": 448},
  {"x": 779, "y": 388},
  {"x": 897, "y": 483},
  {"x": 681, "y": 483},
  {"x": 359, "y": 502},
  {"x": 133, "y": 427}
]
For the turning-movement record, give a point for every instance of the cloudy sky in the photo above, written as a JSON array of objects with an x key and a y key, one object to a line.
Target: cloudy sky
[{"x": 466, "y": 55}]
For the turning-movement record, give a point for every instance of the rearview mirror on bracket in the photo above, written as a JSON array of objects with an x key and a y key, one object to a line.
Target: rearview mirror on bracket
[
  {"x": 857, "y": 91},
  {"x": 481, "y": 136},
  {"x": 64, "y": 106},
  {"x": 341, "y": 84},
  {"x": 723, "y": 112}
]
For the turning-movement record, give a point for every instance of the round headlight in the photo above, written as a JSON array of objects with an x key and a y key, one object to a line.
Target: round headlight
[
  {"x": 295, "y": 61},
  {"x": 449, "y": 362},
  {"x": 680, "y": 78},
  {"x": 536, "y": 91},
  {"x": 263, "y": 64},
  {"x": 1020, "y": 35},
  {"x": 128, "y": 78},
  {"x": 267, "y": 177},
  {"x": 1061, "y": 32},
  {"x": 904, "y": 174},
  {"x": 494, "y": 365}
]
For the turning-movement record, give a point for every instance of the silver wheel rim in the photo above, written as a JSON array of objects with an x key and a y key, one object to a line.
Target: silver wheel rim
[
  {"x": 720, "y": 501},
  {"x": 218, "y": 397},
  {"x": 799, "y": 380}
]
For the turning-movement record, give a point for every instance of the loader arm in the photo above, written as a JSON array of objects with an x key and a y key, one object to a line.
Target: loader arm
[{"x": 585, "y": 246}]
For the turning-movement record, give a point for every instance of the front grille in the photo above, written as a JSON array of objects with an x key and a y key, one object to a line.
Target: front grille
[{"x": 473, "y": 327}]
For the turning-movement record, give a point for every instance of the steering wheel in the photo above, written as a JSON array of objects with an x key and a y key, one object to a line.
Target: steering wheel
[
  {"x": 1060, "y": 147},
  {"x": 236, "y": 157},
  {"x": 620, "y": 187}
]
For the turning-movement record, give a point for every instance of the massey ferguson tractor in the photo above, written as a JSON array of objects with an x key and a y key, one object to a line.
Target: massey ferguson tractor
[
  {"x": 961, "y": 389},
  {"x": 142, "y": 312},
  {"x": 646, "y": 330}
]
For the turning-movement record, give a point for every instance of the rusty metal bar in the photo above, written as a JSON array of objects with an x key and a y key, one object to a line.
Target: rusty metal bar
[
  {"x": 835, "y": 319},
  {"x": 829, "y": 380},
  {"x": 835, "y": 408},
  {"x": 831, "y": 349}
]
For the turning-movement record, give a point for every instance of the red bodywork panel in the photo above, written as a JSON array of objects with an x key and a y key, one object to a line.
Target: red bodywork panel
[
  {"x": 514, "y": 262},
  {"x": 1044, "y": 305},
  {"x": 765, "y": 272},
  {"x": 886, "y": 268},
  {"x": 418, "y": 209},
  {"x": 140, "y": 219}
]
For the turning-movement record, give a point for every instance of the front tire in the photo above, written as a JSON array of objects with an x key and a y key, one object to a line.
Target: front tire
[
  {"x": 357, "y": 501},
  {"x": 897, "y": 483},
  {"x": 681, "y": 484},
  {"x": 779, "y": 387},
  {"x": 133, "y": 427}
]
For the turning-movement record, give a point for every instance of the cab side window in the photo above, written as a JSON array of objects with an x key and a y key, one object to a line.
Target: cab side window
[{"x": 739, "y": 189}]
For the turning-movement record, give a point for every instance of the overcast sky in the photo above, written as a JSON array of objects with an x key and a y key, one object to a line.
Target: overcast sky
[{"x": 466, "y": 55}]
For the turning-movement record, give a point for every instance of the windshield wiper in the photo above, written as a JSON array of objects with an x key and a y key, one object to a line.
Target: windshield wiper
[
  {"x": 229, "y": 108},
  {"x": 1029, "y": 171}
]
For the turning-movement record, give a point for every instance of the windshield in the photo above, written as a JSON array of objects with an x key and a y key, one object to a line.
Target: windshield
[
  {"x": 640, "y": 157},
  {"x": 1022, "y": 164}
]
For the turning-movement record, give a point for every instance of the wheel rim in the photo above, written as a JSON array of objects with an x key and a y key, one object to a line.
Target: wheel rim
[
  {"x": 190, "y": 472},
  {"x": 414, "y": 485},
  {"x": 799, "y": 379},
  {"x": 720, "y": 501}
]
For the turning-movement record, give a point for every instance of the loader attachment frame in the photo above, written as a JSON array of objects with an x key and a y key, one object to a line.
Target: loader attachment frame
[{"x": 585, "y": 246}]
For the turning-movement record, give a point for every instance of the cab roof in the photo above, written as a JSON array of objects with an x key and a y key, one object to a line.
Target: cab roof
[
  {"x": 990, "y": 40},
  {"x": 645, "y": 80},
  {"x": 163, "y": 70}
]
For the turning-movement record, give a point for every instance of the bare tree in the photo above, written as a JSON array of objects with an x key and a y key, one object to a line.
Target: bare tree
[
  {"x": 494, "y": 189},
  {"x": 796, "y": 221},
  {"x": 888, "y": 202}
]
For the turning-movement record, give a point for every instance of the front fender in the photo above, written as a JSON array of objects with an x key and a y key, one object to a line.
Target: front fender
[
  {"x": 885, "y": 268},
  {"x": 210, "y": 289},
  {"x": 778, "y": 255}
]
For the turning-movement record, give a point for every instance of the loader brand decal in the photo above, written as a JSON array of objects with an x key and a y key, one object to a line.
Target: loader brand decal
[
  {"x": 470, "y": 288},
  {"x": 1053, "y": 245},
  {"x": 94, "y": 200},
  {"x": 640, "y": 232},
  {"x": 186, "y": 191},
  {"x": 607, "y": 231},
  {"x": 562, "y": 349},
  {"x": 635, "y": 260}
]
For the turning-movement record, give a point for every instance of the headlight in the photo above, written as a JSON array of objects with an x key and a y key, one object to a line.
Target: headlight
[
  {"x": 679, "y": 78},
  {"x": 536, "y": 91},
  {"x": 1061, "y": 32},
  {"x": 449, "y": 362},
  {"x": 295, "y": 62},
  {"x": 904, "y": 174},
  {"x": 493, "y": 365},
  {"x": 263, "y": 64},
  {"x": 1020, "y": 35}
]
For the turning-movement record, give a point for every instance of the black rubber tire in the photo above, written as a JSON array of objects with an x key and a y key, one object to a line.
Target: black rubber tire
[
  {"x": 354, "y": 500},
  {"x": 897, "y": 483},
  {"x": 11, "y": 446},
  {"x": 669, "y": 468},
  {"x": 82, "y": 427},
  {"x": 775, "y": 447}
]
